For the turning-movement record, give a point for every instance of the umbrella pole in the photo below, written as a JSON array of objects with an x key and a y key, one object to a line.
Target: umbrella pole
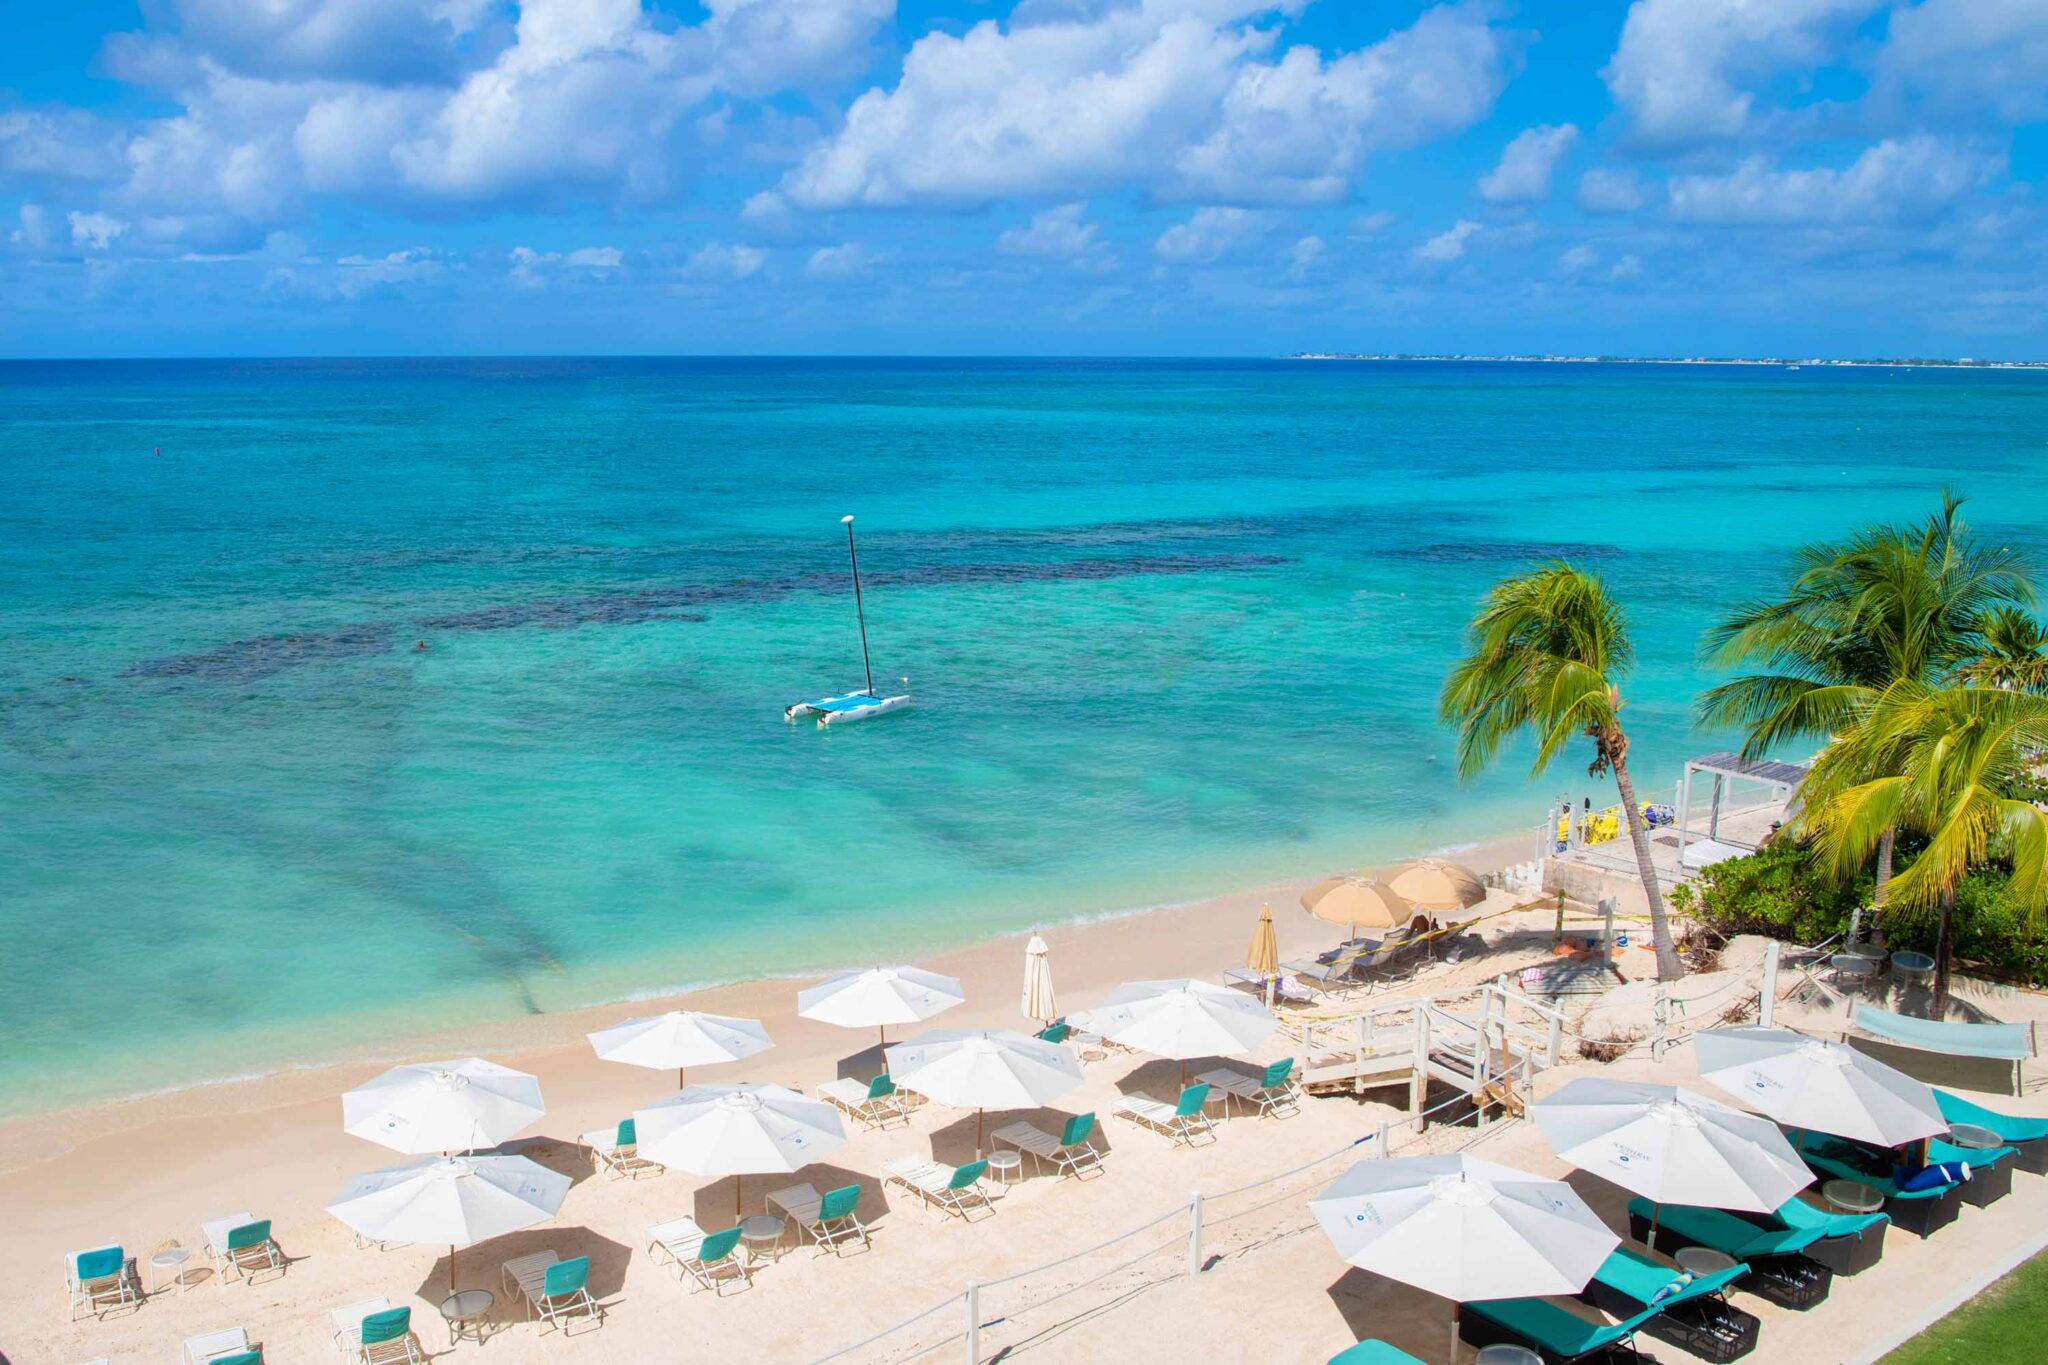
[
  {"x": 680, "y": 1083},
  {"x": 451, "y": 1270},
  {"x": 739, "y": 1185},
  {"x": 977, "y": 1135},
  {"x": 1454, "y": 1333},
  {"x": 1656, "y": 1212},
  {"x": 882, "y": 1046}
]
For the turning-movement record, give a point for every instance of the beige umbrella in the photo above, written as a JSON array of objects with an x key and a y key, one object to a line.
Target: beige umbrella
[
  {"x": 1359, "y": 902},
  {"x": 1434, "y": 884},
  {"x": 1264, "y": 958},
  {"x": 1038, "y": 999}
]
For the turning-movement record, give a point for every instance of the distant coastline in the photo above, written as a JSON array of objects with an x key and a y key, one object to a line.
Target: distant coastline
[{"x": 1786, "y": 362}]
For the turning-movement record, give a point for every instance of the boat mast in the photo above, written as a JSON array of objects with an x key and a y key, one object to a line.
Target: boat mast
[{"x": 859, "y": 609}]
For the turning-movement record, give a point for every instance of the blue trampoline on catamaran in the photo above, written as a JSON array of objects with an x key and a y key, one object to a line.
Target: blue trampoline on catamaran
[{"x": 852, "y": 706}]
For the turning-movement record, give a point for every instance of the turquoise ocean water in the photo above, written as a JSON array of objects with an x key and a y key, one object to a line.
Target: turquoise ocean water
[{"x": 1174, "y": 627}]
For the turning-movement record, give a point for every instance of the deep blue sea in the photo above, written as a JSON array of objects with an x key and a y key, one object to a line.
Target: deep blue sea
[{"x": 1173, "y": 628}]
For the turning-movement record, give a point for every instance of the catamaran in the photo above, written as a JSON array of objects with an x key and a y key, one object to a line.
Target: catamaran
[{"x": 863, "y": 705}]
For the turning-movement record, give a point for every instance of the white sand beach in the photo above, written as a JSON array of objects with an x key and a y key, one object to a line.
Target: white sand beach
[{"x": 1271, "y": 1288}]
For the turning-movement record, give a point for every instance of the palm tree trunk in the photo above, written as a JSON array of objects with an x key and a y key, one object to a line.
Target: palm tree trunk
[
  {"x": 1669, "y": 968},
  {"x": 1948, "y": 909},
  {"x": 1884, "y": 866}
]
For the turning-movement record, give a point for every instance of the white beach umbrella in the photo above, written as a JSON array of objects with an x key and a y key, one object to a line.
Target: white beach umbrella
[
  {"x": 452, "y": 1106},
  {"x": 985, "y": 1069},
  {"x": 1038, "y": 999},
  {"x": 1463, "y": 1228},
  {"x": 1818, "y": 1086},
  {"x": 878, "y": 997},
  {"x": 737, "y": 1130},
  {"x": 680, "y": 1039},
  {"x": 1672, "y": 1146},
  {"x": 451, "y": 1201},
  {"x": 1182, "y": 1019}
]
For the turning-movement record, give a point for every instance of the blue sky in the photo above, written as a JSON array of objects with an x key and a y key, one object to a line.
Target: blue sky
[{"x": 209, "y": 177}]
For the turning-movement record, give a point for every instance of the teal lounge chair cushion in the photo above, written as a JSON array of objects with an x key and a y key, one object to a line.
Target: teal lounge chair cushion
[
  {"x": 838, "y": 1203},
  {"x": 98, "y": 1263},
  {"x": 1557, "y": 1329},
  {"x": 1940, "y": 1151},
  {"x": 1191, "y": 1100},
  {"x": 1373, "y": 1353},
  {"x": 1724, "y": 1231},
  {"x": 390, "y": 1325},
  {"x": 254, "y": 1357},
  {"x": 718, "y": 1245},
  {"x": 967, "y": 1175},
  {"x": 1077, "y": 1130},
  {"x": 1652, "y": 1282},
  {"x": 629, "y": 1133},
  {"x": 2011, "y": 1127},
  {"x": 1803, "y": 1213},
  {"x": 1837, "y": 1158},
  {"x": 249, "y": 1235},
  {"x": 566, "y": 1277},
  {"x": 1055, "y": 1033}
]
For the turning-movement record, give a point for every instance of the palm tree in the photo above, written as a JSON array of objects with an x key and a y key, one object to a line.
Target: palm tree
[
  {"x": 1890, "y": 604},
  {"x": 1944, "y": 763},
  {"x": 2013, "y": 655},
  {"x": 1549, "y": 650}
]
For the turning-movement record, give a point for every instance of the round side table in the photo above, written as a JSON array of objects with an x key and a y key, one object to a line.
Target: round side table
[
  {"x": 468, "y": 1315},
  {"x": 1852, "y": 1196},
  {"x": 1005, "y": 1168},
  {"x": 1974, "y": 1137},
  {"x": 1702, "y": 1261},
  {"x": 762, "y": 1232},
  {"x": 1507, "y": 1353},
  {"x": 169, "y": 1261}
]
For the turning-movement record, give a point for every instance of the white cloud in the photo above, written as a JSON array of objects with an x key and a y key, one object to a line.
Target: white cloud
[
  {"x": 95, "y": 231},
  {"x": 840, "y": 262},
  {"x": 1602, "y": 190},
  {"x": 62, "y": 145},
  {"x": 1897, "y": 179},
  {"x": 533, "y": 269},
  {"x": 717, "y": 260},
  {"x": 1578, "y": 259},
  {"x": 1209, "y": 235},
  {"x": 1967, "y": 54},
  {"x": 1523, "y": 175},
  {"x": 1304, "y": 256},
  {"x": 1627, "y": 268},
  {"x": 1057, "y": 234},
  {"x": 1179, "y": 98},
  {"x": 1449, "y": 244},
  {"x": 36, "y": 230},
  {"x": 1370, "y": 225},
  {"x": 1683, "y": 68}
]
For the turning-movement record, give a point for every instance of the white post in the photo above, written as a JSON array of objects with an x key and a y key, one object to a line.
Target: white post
[
  {"x": 1684, "y": 813},
  {"x": 1386, "y": 1132},
  {"x": 1661, "y": 1006},
  {"x": 1607, "y": 931},
  {"x": 1195, "y": 1234},
  {"x": 973, "y": 1299},
  {"x": 1555, "y": 1041},
  {"x": 1769, "y": 1004}
]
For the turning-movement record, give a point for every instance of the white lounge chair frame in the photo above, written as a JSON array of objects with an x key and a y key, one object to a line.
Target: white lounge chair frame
[
  {"x": 102, "y": 1292},
  {"x": 244, "y": 1263},
  {"x": 851, "y": 1097},
  {"x": 930, "y": 1181},
  {"x": 676, "y": 1241},
  {"x": 1165, "y": 1119},
  {"x": 348, "y": 1337},
  {"x": 616, "y": 1160},
  {"x": 803, "y": 1204},
  {"x": 1081, "y": 1160},
  {"x": 527, "y": 1277},
  {"x": 1283, "y": 1098},
  {"x": 213, "y": 1345}
]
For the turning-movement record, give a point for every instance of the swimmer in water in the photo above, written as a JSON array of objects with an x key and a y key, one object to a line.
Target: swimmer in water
[{"x": 419, "y": 646}]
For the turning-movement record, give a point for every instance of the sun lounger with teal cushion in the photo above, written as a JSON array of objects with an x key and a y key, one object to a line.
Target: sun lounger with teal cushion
[
  {"x": 1849, "y": 1243},
  {"x": 1780, "y": 1269},
  {"x": 1990, "y": 1169},
  {"x": 99, "y": 1279},
  {"x": 1694, "y": 1312},
  {"x": 1558, "y": 1331},
  {"x": 1920, "y": 1208},
  {"x": 1373, "y": 1353},
  {"x": 2028, "y": 1136}
]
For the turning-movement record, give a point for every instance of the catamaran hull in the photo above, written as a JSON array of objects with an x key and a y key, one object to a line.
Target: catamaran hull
[{"x": 843, "y": 710}]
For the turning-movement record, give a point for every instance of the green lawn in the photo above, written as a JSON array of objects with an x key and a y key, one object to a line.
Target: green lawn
[{"x": 2004, "y": 1325}]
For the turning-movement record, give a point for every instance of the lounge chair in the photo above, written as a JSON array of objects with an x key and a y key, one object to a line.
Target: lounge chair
[
  {"x": 1285, "y": 988},
  {"x": 1182, "y": 1121},
  {"x": 1990, "y": 1169},
  {"x": 1373, "y": 1352},
  {"x": 950, "y": 1189},
  {"x": 1273, "y": 1091},
  {"x": 99, "y": 1279},
  {"x": 2027, "y": 1136},
  {"x": 1332, "y": 971},
  {"x": 1780, "y": 1269},
  {"x": 711, "y": 1259},
  {"x": 874, "y": 1103},
  {"x": 1692, "y": 1310},
  {"x": 555, "y": 1290},
  {"x": 1848, "y": 1243},
  {"x": 374, "y": 1333},
  {"x": 1558, "y": 1329},
  {"x": 1071, "y": 1153},
  {"x": 1922, "y": 1212},
  {"x": 1055, "y": 1032},
  {"x": 229, "y": 1346},
  {"x": 617, "y": 1152},
  {"x": 828, "y": 1220},
  {"x": 240, "y": 1245}
]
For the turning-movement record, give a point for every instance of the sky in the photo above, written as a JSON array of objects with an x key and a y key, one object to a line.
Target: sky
[{"x": 1067, "y": 177}]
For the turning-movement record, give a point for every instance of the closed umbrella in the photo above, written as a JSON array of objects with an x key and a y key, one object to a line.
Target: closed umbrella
[
  {"x": 450, "y": 1201},
  {"x": 1817, "y": 1086},
  {"x": 1435, "y": 884},
  {"x": 1463, "y": 1228},
  {"x": 1671, "y": 1146},
  {"x": 983, "y": 1070},
  {"x": 737, "y": 1130},
  {"x": 1264, "y": 957},
  {"x": 680, "y": 1039},
  {"x": 1357, "y": 902},
  {"x": 878, "y": 997},
  {"x": 1182, "y": 1020},
  {"x": 1038, "y": 998},
  {"x": 453, "y": 1106}
]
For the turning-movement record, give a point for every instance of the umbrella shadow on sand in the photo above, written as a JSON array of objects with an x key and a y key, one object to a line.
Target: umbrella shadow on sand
[
  {"x": 862, "y": 1066},
  {"x": 713, "y": 1204},
  {"x": 564, "y": 1156},
  {"x": 1160, "y": 1078},
  {"x": 1608, "y": 1201},
  {"x": 1398, "y": 1314},
  {"x": 953, "y": 1144},
  {"x": 480, "y": 1267}
]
